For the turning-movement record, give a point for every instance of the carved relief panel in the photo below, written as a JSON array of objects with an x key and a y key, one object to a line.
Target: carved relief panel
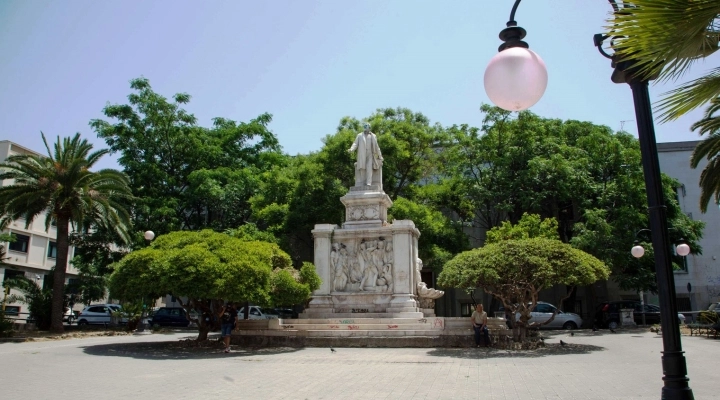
[{"x": 362, "y": 265}]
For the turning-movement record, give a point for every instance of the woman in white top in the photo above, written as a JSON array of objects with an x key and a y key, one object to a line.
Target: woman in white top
[{"x": 479, "y": 323}]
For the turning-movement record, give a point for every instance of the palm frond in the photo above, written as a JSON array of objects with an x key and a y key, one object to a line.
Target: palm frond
[
  {"x": 710, "y": 123},
  {"x": 690, "y": 96},
  {"x": 665, "y": 36}
]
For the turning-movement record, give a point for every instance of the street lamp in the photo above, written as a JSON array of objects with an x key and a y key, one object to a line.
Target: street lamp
[
  {"x": 149, "y": 236},
  {"x": 673, "y": 361},
  {"x": 682, "y": 249}
]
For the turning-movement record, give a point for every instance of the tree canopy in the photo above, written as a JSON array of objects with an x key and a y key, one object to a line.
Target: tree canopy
[
  {"x": 63, "y": 187},
  {"x": 208, "y": 269},
  {"x": 516, "y": 270}
]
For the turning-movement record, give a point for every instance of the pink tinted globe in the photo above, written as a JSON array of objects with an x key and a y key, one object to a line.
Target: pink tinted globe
[
  {"x": 515, "y": 79},
  {"x": 637, "y": 251}
]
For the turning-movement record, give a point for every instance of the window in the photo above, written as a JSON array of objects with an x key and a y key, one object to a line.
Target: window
[
  {"x": 11, "y": 273},
  {"x": 12, "y": 310},
  {"x": 175, "y": 311},
  {"x": 98, "y": 309},
  {"x": 544, "y": 308},
  {"x": 20, "y": 244},
  {"x": 466, "y": 309},
  {"x": 162, "y": 311},
  {"x": 52, "y": 250}
]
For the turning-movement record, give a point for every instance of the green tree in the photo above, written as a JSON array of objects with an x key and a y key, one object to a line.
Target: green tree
[
  {"x": 38, "y": 299},
  {"x": 585, "y": 176},
  {"x": 516, "y": 270},
  {"x": 63, "y": 187},
  {"x": 186, "y": 176},
  {"x": 665, "y": 37},
  {"x": 209, "y": 269},
  {"x": 708, "y": 149},
  {"x": 439, "y": 239}
]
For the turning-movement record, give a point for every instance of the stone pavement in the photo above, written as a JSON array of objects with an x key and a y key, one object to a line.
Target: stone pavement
[{"x": 593, "y": 366}]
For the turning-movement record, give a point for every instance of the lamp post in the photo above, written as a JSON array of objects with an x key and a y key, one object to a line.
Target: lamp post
[
  {"x": 682, "y": 249},
  {"x": 149, "y": 236},
  {"x": 516, "y": 65}
]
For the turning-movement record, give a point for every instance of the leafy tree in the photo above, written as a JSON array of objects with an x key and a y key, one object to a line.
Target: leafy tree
[
  {"x": 439, "y": 240},
  {"x": 63, "y": 187},
  {"x": 585, "y": 176},
  {"x": 665, "y": 37},
  {"x": 516, "y": 270},
  {"x": 409, "y": 143},
  {"x": 186, "y": 176},
  {"x": 209, "y": 269},
  {"x": 38, "y": 299}
]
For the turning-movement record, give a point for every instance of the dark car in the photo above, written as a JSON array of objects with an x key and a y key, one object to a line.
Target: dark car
[
  {"x": 170, "y": 316},
  {"x": 607, "y": 314}
]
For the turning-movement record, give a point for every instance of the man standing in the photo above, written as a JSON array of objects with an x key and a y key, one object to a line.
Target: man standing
[
  {"x": 228, "y": 322},
  {"x": 368, "y": 156},
  {"x": 479, "y": 323}
]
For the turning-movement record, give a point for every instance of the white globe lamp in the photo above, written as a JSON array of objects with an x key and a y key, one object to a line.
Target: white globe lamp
[
  {"x": 515, "y": 79},
  {"x": 149, "y": 235},
  {"x": 637, "y": 251},
  {"x": 683, "y": 249}
]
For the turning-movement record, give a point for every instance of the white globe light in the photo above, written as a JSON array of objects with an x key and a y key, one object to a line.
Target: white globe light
[
  {"x": 683, "y": 249},
  {"x": 149, "y": 235},
  {"x": 637, "y": 251},
  {"x": 515, "y": 79}
]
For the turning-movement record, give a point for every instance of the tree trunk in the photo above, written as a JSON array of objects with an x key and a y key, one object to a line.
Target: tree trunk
[
  {"x": 203, "y": 331},
  {"x": 58, "y": 296}
]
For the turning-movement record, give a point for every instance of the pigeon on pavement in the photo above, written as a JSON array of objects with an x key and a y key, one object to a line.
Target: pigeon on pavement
[
  {"x": 332, "y": 350},
  {"x": 562, "y": 343}
]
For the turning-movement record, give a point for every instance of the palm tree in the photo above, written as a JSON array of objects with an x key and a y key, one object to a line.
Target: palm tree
[
  {"x": 665, "y": 37},
  {"x": 62, "y": 187},
  {"x": 709, "y": 148}
]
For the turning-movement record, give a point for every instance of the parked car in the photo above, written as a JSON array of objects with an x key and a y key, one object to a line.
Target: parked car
[
  {"x": 607, "y": 313},
  {"x": 255, "y": 312},
  {"x": 98, "y": 314},
  {"x": 170, "y": 316},
  {"x": 286, "y": 313},
  {"x": 543, "y": 311},
  {"x": 69, "y": 316}
]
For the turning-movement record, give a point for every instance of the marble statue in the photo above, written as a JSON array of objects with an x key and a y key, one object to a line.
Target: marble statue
[
  {"x": 385, "y": 277},
  {"x": 369, "y": 157},
  {"x": 339, "y": 265},
  {"x": 426, "y": 295}
]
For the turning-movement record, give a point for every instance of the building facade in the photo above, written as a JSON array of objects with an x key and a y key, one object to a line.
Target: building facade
[{"x": 699, "y": 283}]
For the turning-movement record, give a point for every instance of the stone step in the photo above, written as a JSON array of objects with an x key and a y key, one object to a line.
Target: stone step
[
  {"x": 320, "y": 315},
  {"x": 348, "y": 321},
  {"x": 361, "y": 326},
  {"x": 337, "y": 333}
]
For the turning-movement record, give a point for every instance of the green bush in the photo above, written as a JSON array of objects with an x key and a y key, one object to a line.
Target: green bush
[
  {"x": 708, "y": 317},
  {"x": 6, "y": 326}
]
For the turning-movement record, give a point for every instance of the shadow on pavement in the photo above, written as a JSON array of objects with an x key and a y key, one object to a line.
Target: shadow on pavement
[
  {"x": 178, "y": 350},
  {"x": 548, "y": 350}
]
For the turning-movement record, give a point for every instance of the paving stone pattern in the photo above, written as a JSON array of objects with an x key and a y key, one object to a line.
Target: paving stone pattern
[{"x": 593, "y": 366}]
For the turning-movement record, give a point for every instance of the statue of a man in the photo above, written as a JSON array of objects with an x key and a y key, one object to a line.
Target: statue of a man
[{"x": 368, "y": 156}]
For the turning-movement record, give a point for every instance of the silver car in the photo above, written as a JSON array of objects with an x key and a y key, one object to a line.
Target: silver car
[{"x": 544, "y": 311}]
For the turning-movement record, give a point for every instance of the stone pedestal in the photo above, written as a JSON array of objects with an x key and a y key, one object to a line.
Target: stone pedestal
[
  {"x": 627, "y": 317},
  {"x": 367, "y": 266}
]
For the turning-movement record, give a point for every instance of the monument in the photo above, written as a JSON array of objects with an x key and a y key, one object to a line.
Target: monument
[{"x": 369, "y": 267}]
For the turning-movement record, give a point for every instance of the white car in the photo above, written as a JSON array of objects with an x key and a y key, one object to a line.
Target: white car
[
  {"x": 543, "y": 311},
  {"x": 97, "y": 314},
  {"x": 256, "y": 312}
]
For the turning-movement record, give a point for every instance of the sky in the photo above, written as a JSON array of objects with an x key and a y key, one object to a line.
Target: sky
[{"x": 308, "y": 63}]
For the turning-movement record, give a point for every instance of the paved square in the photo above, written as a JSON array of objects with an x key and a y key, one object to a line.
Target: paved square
[{"x": 594, "y": 366}]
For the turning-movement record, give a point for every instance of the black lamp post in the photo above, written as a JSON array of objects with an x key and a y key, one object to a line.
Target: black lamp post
[
  {"x": 149, "y": 236},
  {"x": 514, "y": 80}
]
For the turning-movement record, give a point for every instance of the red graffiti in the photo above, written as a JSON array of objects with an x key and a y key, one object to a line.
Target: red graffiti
[
  {"x": 353, "y": 327},
  {"x": 334, "y": 326},
  {"x": 438, "y": 323},
  {"x": 392, "y": 326}
]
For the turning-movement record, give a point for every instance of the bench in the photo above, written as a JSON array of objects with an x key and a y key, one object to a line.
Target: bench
[{"x": 704, "y": 329}]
